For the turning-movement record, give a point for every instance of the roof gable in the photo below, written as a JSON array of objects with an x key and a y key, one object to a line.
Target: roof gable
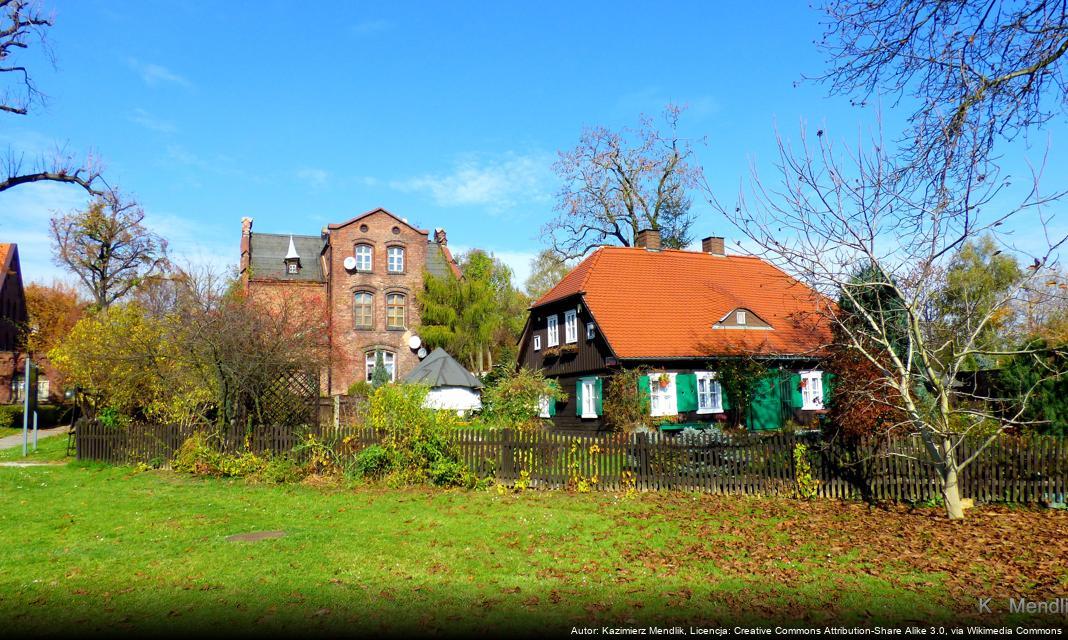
[
  {"x": 667, "y": 304},
  {"x": 439, "y": 369},
  {"x": 372, "y": 212}
]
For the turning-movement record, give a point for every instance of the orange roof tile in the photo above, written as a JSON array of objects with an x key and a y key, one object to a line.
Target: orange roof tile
[{"x": 663, "y": 304}]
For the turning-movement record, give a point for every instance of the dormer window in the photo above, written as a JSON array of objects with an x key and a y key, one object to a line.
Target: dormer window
[
  {"x": 292, "y": 259},
  {"x": 739, "y": 317}
]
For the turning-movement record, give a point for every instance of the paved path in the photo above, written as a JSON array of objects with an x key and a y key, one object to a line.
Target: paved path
[{"x": 16, "y": 440}]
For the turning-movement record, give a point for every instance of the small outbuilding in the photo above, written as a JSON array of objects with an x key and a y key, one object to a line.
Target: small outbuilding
[{"x": 452, "y": 387}]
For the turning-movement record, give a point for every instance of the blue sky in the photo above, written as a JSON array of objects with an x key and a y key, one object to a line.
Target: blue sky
[{"x": 447, "y": 114}]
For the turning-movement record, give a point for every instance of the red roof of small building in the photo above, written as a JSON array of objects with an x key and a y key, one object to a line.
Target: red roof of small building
[{"x": 668, "y": 303}]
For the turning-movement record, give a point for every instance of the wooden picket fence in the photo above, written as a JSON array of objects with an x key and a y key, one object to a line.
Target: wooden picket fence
[{"x": 1013, "y": 469}]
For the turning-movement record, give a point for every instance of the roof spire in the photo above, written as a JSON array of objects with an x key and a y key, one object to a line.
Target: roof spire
[{"x": 292, "y": 250}]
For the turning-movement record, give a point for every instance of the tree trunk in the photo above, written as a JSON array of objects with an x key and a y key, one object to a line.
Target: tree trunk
[{"x": 951, "y": 491}]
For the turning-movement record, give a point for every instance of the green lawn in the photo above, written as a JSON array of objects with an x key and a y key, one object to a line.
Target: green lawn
[{"x": 92, "y": 547}]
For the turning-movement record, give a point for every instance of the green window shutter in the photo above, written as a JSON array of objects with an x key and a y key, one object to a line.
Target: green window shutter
[
  {"x": 552, "y": 407},
  {"x": 643, "y": 392},
  {"x": 578, "y": 398},
  {"x": 828, "y": 387},
  {"x": 686, "y": 392},
  {"x": 726, "y": 406},
  {"x": 796, "y": 401},
  {"x": 600, "y": 405}
]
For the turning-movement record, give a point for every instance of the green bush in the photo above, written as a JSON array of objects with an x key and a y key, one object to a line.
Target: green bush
[
  {"x": 513, "y": 400},
  {"x": 279, "y": 470},
  {"x": 48, "y": 415},
  {"x": 199, "y": 456},
  {"x": 415, "y": 438},
  {"x": 360, "y": 389},
  {"x": 374, "y": 461}
]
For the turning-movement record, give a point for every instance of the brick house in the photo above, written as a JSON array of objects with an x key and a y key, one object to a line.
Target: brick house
[
  {"x": 366, "y": 272},
  {"x": 676, "y": 313},
  {"x": 12, "y": 318}
]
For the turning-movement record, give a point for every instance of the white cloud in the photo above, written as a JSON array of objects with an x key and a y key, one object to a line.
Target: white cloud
[
  {"x": 155, "y": 75},
  {"x": 496, "y": 184},
  {"x": 148, "y": 121},
  {"x": 315, "y": 178}
]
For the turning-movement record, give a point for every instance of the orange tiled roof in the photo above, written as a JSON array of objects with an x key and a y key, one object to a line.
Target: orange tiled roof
[
  {"x": 5, "y": 252},
  {"x": 663, "y": 304}
]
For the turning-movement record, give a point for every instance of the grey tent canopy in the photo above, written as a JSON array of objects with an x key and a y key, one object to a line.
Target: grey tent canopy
[{"x": 439, "y": 369}]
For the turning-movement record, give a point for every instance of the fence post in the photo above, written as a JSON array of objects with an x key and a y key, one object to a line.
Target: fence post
[{"x": 507, "y": 455}]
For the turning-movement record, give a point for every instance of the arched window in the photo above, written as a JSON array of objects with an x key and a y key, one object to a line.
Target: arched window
[
  {"x": 395, "y": 259},
  {"x": 363, "y": 316},
  {"x": 389, "y": 361},
  {"x": 363, "y": 255},
  {"x": 395, "y": 312}
]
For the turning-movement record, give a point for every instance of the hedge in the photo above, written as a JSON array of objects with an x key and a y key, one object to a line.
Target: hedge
[{"x": 48, "y": 415}]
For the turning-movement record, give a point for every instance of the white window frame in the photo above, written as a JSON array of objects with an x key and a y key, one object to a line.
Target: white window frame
[
  {"x": 710, "y": 401},
  {"x": 543, "y": 407},
  {"x": 812, "y": 390},
  {"x": 537, "y": 343},
  {"x": 570, "y": 326},
  {"x": 370, "y": 255},
  {"x": 389, "y": 360},
  {"x": 662, "y": 402},
  {"x": 552, "y": 331},
  {"x": 395, "y": 259},
  {"x": 590, "y": 331},
  {"x": 739, "y": 317},
  {"x": 589, "y": 398},
  {"x": 291, "y": 268}
]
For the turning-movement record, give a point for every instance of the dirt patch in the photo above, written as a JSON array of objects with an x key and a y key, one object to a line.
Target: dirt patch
[{"x": 255, "y": 536}]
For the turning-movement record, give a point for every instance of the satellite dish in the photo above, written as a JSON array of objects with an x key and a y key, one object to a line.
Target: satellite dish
[
  {"x": 414, "y": 342},
  {"x": 350, "y": 263},
  {"x": 422, "y": 352}
]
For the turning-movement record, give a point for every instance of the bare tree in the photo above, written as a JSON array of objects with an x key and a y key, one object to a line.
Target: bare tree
[
  {"x": 22, "y": 24},
  {"x": 109, "y": 248},
  {"x": 616, "y": 184},
  {"x": 975, "y": 71},
  {"x": 836, "y": 211}
]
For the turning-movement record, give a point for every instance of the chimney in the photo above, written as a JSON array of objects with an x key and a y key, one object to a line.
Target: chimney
[
  {"x": 246, "y": 248},
  {"x": 647, "y": 239},
  {"x": 713, "y": 245},
  {"x": 439, "y": 236}
]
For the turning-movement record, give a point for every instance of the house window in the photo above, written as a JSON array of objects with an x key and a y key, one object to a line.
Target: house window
[
  {"x": 590, "y": 332},
  {"x": 709, "y": 393},
  {"x": 363, "y": 310},
  {"x": 291, "y": 267},
  {"x": 739, "y": 317},
  {"x": 395, "y": 259},
  {"x": 537, "y": 343},
  {"x": 570, "y": 327},
  {"x": 589, "y": 398},
  {"x": 543, "y": 407},
  {"x": 389, "y": 360},
  {"x": 395, "y": 311},
  {"x": 553, "y": 331},
  {"x": 812, "y": 390},
  {"x": 363, "y": 255},
  {"x": 662, "y": 400}
]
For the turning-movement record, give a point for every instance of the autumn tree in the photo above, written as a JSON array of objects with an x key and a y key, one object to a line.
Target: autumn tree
[
  {"x": 53, "y": 311},
  {"x": 109, "y": 248},
  {"x": 978, "y": 276},
  {"x": 616, "y": 184},
  {"x": 24, "y": 24}
]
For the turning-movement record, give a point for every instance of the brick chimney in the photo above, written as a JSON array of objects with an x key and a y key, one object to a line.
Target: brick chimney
[
  {"x": 246, "y": 248},
  {"x": 713, "y": 245},
  {"x": 439, "y": 236},
  {"x": 647, "y": 239}
]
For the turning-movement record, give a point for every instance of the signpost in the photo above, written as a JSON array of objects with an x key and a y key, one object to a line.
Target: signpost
[{"x": 29, "y": 404}]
